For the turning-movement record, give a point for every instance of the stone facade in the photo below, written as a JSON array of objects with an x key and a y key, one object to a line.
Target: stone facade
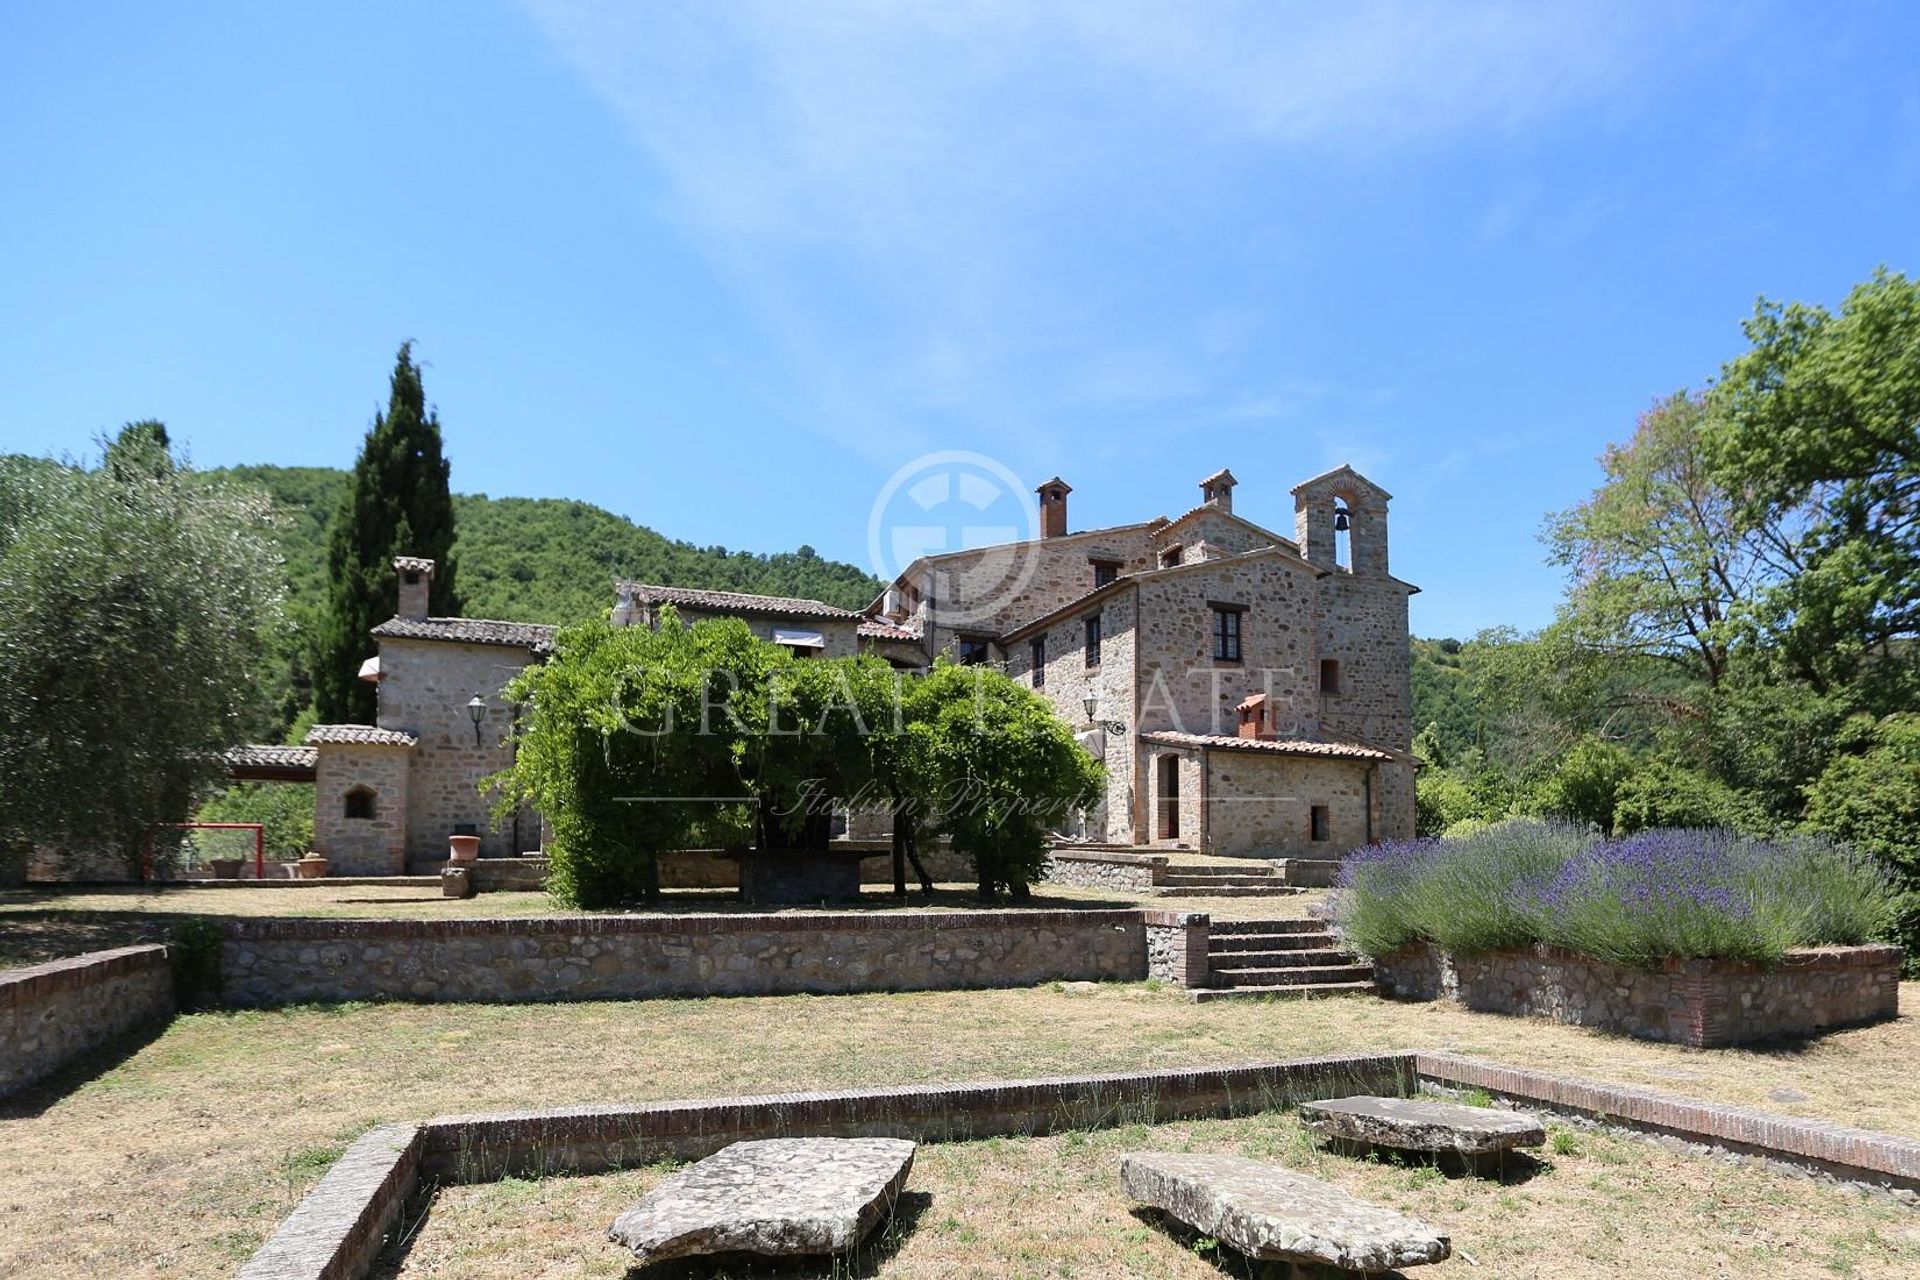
[
  {"x": 53, "y": 1014},
  {"x": 1699, "y": 1003},
  {"x": 639, "y": 957},
  {"x": 1105, "y": 869},
  {"x": 425, "y": 686},
  {"x": 360, "y": 808}
]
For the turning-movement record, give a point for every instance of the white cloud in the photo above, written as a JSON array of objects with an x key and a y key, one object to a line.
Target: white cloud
[{"x": 976, "y": 181}]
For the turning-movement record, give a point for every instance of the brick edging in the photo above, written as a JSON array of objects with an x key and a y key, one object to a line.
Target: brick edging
[
  {"x": 339, "y": 1228},
  {"x": 336, "y": 1231},
  {"x": 1859, "y": 1155},
  {"x": 37, "y": 982},
  {"x": 322, "y": 929}
]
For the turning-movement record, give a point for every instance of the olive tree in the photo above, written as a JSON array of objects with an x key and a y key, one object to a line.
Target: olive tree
[{"x": 136, "y": 601}]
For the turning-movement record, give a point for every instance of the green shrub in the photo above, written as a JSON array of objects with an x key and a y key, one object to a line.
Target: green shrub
[{"x": 1635, "y": 901}]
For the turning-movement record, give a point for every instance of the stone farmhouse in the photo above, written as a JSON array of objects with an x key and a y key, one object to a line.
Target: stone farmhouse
[{"x": 1247, "y": 691}]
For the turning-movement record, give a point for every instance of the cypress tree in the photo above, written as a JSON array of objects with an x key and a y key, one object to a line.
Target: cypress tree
[{"x": 397, "y": 504}]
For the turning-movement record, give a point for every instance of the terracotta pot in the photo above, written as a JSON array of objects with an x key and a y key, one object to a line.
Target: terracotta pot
[
  {"x": 224, "y": 868},
  {"x": 462, "y": 849},
  {"x": 311, "y": 868}
]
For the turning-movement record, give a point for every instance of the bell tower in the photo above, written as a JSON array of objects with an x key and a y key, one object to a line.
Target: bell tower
[{"x": 1340, "y": 522}]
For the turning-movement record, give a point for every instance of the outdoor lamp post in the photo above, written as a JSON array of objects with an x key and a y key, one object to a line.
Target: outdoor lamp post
[{"x": 476, "y": 712}]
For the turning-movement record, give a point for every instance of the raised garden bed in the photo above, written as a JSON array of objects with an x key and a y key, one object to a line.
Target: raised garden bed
[{"x": 1704, "y": 1004}]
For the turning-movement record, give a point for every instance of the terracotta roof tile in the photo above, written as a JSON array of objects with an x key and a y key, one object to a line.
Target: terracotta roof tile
[
  {"x": 1272, "y": 746},
  {"x": 256, "y": 755},
  {"x": 358, "y": 735},
  {"x": 537, "y": 636},
  {"x": 880, "y": 629},
  {"x": 733, "y": 601}
]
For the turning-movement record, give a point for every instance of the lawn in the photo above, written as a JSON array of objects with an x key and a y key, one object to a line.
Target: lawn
[
  {"x": 1594, "y": 1207},
  {"x": 181, "y": 1156},
  {"x": 38, "y": 925}
]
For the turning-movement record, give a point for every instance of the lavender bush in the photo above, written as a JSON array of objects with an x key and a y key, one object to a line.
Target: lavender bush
[{"x": 1634, "y": 902}]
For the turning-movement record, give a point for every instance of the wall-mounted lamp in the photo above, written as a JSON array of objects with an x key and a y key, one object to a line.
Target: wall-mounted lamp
[
  {"x": 1091, "y": 705},
  {"x": 476, "y": 712}
]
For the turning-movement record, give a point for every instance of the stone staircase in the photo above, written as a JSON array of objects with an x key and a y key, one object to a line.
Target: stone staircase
[
  {"x": 1213, "y": 880},
  {"x": 1250, "y": 959}
]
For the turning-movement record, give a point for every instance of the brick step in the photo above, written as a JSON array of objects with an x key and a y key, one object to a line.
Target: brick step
[
  {"x": 1253, "y": 870},
  {"x": 1303, "y": 991},
  {"x": 1231, "y": 928},
  {"x": 1223, "y": 944},
  {"x": 1305, "y": 958},
  {"x": 1303, "y": 975},
  {"x": 1269, "y": 889}
]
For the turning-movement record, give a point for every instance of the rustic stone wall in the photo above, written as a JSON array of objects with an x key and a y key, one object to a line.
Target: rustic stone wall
[
  {"x": 638, "y": 957},
  {"x": 1177, "y": 947},
  {"x": 375, "y": 846},
  {"x": 1068, "y": 682},
  {"x": 1700, "y": 1003},
  {"x": 52, "y": 1014},
  {"x": 424, "y": 689},
  {"x": 1105, "y": 869},
  {"x": 1185, "y": 689},
  {"x": 1262, "y": 805},
  {"x": 1055, "y": 570}
]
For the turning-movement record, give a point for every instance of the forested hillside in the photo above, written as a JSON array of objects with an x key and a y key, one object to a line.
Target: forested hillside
[{"x": 547, "y": 559}]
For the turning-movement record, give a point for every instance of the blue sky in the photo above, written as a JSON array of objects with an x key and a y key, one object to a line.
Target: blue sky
[{"x": 725, "y": 268}]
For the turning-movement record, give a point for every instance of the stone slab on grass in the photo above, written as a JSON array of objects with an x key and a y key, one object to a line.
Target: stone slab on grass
[
  {"x": 1272, "y": 1215},
  {"x": 1416, "y": 1124},
  {"x": 774, "y": 1196}
]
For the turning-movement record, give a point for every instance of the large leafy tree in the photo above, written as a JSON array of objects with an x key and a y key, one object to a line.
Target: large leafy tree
[
  {"x": 134, "y": 601},
  {"x": 397, "y": 503},
  {"x": 1662, "y": 559},
  {"x": 1818, "y": 430}
]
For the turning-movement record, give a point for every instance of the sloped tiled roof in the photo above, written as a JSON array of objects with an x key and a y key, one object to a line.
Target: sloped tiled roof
[
  {"x": 537, "y": 636},
  {"x": 1272, "y": 746},
  {"x": 358, "y": 735},
  {"x": 880, "y": 629},
  {"x": 733, "y": 602},
  {"x": 256, "y": 755}
]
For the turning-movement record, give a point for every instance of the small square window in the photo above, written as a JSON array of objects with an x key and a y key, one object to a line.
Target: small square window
[
  {"x": 973, "y": 650},
  {"x": 1329, "y": 676},
  {"x": 1322, "y": 824},
  {"x": 1105, "y": 571},
  {"x": 1170, "y": 556},
  {"x": 1037, "y": 656}
]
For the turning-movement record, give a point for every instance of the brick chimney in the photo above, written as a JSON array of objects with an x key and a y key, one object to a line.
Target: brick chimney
[
  {"x": 1217, "y": 489},
  {"x": 1053, "y": 507},
  {"x": 416, "y": 581}
]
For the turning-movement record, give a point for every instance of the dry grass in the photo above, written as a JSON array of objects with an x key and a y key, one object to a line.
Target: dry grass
[
  {"x": 1606, "y": 1206},
  {"x": 180, "y": 1159},
  {"x": 37, "y": 925}
]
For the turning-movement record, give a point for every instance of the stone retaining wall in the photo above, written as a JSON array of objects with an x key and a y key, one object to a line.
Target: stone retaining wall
[
  {"x": 1177, "y": 947},
  {"x": 639, "y": 957},
  {"x": 1103, "y": 869},
  {"x": 1701, "y": 1003},
  {"x": 51, "y": 1014}
]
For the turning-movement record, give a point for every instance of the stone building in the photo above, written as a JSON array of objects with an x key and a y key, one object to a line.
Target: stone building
[{"x": 1248, "y": 691}]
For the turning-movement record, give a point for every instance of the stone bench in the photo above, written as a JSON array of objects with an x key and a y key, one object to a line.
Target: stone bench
[
  {"x": 773, "y": 1196},
  {"x": 1479, "y": 1136},
  {"x": 1272, "y": 1215}
]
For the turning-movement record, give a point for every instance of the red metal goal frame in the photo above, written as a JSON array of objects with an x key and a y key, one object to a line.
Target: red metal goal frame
[{"x": 259, "y": 830}]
